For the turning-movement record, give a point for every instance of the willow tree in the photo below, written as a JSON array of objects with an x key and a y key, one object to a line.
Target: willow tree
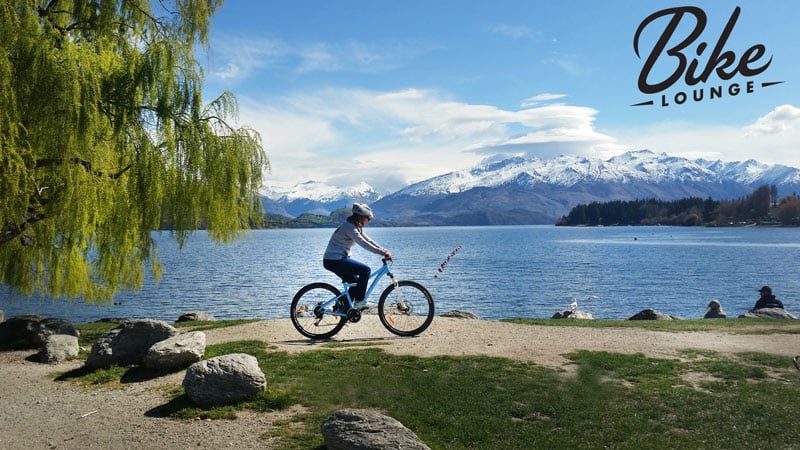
[{"x": 105, "y": 137}]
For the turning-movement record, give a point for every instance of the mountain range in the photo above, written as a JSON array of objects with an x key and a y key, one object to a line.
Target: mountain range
[{"x": 521, "y": 191}]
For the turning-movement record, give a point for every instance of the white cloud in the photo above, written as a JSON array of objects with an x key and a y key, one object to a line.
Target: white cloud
[
  {"x": 784, "y": 119},
  {"x": 540, "y": 98},
  {"x": 234, "y": 58},
  {"x": 773, "y": 138},
  {"x": 390, "y": 139}
]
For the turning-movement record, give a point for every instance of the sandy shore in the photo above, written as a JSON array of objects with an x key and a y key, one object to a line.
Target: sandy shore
[{"x": 37, "y": 412}]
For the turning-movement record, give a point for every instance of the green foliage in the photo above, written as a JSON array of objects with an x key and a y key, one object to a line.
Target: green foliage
[
  {"x": 91, "y": 331},
  {"x": 104, "y": 137},
  {"x": 692, "y": 211}
]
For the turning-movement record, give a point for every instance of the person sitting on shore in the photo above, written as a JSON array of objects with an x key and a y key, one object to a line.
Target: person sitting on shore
[
  {"x": 767, "y": 300},
  {"x": 715, "y": 311}
]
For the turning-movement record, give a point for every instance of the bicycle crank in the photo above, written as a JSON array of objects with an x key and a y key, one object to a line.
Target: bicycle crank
[{"x": 353, "y": 315}]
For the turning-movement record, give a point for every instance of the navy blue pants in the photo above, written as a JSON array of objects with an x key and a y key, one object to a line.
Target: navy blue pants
[{"x": 350, "y": 271}]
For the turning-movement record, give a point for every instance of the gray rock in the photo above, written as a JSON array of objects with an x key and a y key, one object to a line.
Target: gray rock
[
  {"x": 127, "y": 344},
  {"x": 58, "y": 348},
  {"x": 20, "y": 328},
  {"x": 223, "y": 380},
  {"x": 460, "y": 314},
  {"x": 570, "y": 314},
  {"x": 51, "y": 326},
  {"x": 768, "y": 313},
  {"x": 176, "y": 352},
  {"x": 362, "y": 429},
  {"x": 34, "y": 329},
  {"x": 651, "y": 314},
  {"x": 199, "y": 316}
]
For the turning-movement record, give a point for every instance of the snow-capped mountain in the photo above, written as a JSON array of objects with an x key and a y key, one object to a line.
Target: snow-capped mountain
[
  {"x": 319, "y": 198},
  {"x": 535, "y": 191},
  {"x": 639, "y": 166}
]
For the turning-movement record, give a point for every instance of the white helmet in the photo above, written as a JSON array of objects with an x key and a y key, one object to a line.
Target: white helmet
[{"x": 362, "y": 210}]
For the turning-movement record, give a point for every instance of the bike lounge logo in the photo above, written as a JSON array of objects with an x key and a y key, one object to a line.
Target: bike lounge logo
[{"x": 710, "y": 71}]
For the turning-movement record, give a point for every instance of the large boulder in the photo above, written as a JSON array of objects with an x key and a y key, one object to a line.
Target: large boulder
[
  {"x": 176, "y": 352},
  {"x": 58, "y": 348},
  {"x": 363, "y": 429},
  {"x": 34, "y": 329},
  {"x": 768, "y": 313},
  {"x": 128, "y": 343},
  {"x": 224, "y": 380},
  {"x": 20, "y": 328},
  {"x": 52, "y": 326}
]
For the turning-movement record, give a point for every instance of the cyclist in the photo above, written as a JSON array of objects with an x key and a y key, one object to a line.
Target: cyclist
[{"x": 337, "y": 255}]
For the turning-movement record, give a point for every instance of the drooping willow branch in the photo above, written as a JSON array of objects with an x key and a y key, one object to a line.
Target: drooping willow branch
[
  {"x": 12, "y": 231},
  {"x": 51, "y": 162}
]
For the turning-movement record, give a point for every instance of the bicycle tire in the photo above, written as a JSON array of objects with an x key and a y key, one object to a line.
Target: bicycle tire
[
  {"x": 413, "y": 311},
  {"x": 309, "y": 322}
]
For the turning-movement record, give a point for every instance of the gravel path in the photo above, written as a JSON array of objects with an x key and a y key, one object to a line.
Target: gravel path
[{"x": 37, "y": 412}]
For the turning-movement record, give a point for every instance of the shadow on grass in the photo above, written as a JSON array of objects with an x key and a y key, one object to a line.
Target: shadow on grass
[
  {"x": 75, "y": 374},
  {"x": 128, "y": 375}
]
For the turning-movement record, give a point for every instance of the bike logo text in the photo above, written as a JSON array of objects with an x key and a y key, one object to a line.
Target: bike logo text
[{"x": 680, "y": 53}]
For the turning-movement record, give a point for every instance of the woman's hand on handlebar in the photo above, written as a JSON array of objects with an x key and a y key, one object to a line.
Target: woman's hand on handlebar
[{"x": 387, "y": 256}]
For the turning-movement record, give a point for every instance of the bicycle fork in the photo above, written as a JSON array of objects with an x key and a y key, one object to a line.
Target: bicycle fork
[{"x": 401, "y": 305}]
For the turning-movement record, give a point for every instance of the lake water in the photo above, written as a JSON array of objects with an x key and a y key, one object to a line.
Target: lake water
[{"x": 494, "y": 272}]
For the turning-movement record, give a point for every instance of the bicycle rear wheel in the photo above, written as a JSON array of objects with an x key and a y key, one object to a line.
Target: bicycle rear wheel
[
  {"x": 406, "y": 310},
  {"x": 308, "y": 316}
]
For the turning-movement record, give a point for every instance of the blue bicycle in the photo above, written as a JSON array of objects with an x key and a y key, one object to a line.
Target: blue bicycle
[{"x": 319, "y": 310}]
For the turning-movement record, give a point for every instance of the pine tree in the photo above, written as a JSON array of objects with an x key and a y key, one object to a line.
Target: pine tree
[{"x": 104, "y": 137}]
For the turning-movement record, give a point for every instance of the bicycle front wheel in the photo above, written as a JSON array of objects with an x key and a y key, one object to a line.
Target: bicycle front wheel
[
  {"x": 406, "y": 309},
  {"x": 308, "y": 315}
]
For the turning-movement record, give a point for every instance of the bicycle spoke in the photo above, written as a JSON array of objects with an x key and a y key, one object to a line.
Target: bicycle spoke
[
  {"x": 406, "y": 309},
  {"x": 309, "y": 316}
]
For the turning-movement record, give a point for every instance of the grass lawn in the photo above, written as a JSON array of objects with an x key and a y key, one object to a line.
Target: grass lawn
[{"x": 702, "y": 400}]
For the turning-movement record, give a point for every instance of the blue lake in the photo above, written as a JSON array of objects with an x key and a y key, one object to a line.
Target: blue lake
[{"x": 497, "y": 272}]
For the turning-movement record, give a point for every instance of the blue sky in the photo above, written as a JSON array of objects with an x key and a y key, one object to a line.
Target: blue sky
[{"x": 396, "y": 92}]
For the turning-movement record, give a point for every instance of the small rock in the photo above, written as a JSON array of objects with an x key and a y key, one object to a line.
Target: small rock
[
  {"x": 460, "y": 314},
  {"x": 570, "y": 314},
  {"x": 768, "y": 313},
  {"x": 198, "y": 316},
  {"x": 651, "y": 314}
]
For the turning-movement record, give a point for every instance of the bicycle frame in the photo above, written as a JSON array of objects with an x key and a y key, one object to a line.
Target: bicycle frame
[{"x": 375, "y": 277}]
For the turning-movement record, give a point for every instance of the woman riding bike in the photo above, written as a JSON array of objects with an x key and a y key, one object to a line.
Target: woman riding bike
[{"x": 337, "y": 257}]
